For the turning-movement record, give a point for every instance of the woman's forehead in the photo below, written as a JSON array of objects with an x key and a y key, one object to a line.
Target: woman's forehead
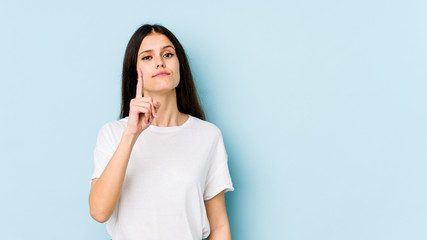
[{"x": 155, "y": 41}]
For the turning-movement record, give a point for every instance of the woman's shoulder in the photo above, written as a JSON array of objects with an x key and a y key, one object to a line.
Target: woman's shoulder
[
  {"x": 114, "y": 127},
  {"x": 205, "y": 126},
  {"x": 109, "y": 135}
]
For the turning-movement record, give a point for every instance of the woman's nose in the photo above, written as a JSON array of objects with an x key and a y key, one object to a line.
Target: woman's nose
[{"x": 160, "y": 63}]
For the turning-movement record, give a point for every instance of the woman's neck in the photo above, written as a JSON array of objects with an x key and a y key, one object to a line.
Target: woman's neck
[{"x": 168, "y": 114}]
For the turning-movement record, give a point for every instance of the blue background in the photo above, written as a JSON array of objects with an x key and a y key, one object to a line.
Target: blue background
[{"x": 321, "y": 104}]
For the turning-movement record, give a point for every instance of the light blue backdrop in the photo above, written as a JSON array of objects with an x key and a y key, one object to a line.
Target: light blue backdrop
[{"x": 322, "y": 105}]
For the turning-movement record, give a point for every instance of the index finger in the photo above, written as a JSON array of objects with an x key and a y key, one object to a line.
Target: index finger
[{"x": 140, "y": 84}]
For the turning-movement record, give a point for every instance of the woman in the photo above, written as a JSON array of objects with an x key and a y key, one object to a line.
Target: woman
[{"x": 161, "y": 170}]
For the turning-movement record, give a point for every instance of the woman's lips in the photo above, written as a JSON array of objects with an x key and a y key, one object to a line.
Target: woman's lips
[{"x": 161, "y": 74}]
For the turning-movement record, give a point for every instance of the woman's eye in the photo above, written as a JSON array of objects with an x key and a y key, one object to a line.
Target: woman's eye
[
  {"x": 146, "y": 58},
  {"x": 168, "y": 54}
]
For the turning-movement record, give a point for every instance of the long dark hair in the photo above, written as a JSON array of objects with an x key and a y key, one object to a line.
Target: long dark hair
[{"x": 186, "y": 94}]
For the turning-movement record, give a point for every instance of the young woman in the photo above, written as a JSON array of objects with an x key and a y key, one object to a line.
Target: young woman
[{"x": 160, "y": 171}]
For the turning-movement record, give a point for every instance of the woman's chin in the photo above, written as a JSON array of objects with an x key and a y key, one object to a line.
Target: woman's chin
[{"x": 161, "y": 91}]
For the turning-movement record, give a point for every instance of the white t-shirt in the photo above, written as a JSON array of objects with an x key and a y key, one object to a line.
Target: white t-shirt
[{"x": 171, "y": 171}]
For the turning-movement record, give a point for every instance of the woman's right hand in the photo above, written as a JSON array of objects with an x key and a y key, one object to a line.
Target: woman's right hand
[{"x": 142, "y": 109}]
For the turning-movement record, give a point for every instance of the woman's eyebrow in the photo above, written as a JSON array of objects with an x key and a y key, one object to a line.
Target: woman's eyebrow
[{"x": 150, "y": 50}]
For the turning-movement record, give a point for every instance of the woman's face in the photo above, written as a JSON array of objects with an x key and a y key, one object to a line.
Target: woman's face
[{"x": 158, "y": 63}]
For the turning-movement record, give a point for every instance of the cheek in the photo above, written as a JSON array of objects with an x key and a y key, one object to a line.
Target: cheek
[
  {"x": 177, "y": 76},
  {"x": 145, "y": 70},
  {"x": 176, "y": 70}
]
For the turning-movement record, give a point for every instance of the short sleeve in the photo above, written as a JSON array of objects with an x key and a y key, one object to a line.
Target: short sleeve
[
  {"x": 103, "y": 151},
  {"x": 218, "y": 177}
]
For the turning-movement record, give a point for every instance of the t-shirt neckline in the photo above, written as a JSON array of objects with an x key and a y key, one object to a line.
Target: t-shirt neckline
[{"x": 170, "y": 129}]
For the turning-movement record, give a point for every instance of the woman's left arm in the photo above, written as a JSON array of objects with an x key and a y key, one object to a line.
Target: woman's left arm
[{"x": 218, "y": 220}]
